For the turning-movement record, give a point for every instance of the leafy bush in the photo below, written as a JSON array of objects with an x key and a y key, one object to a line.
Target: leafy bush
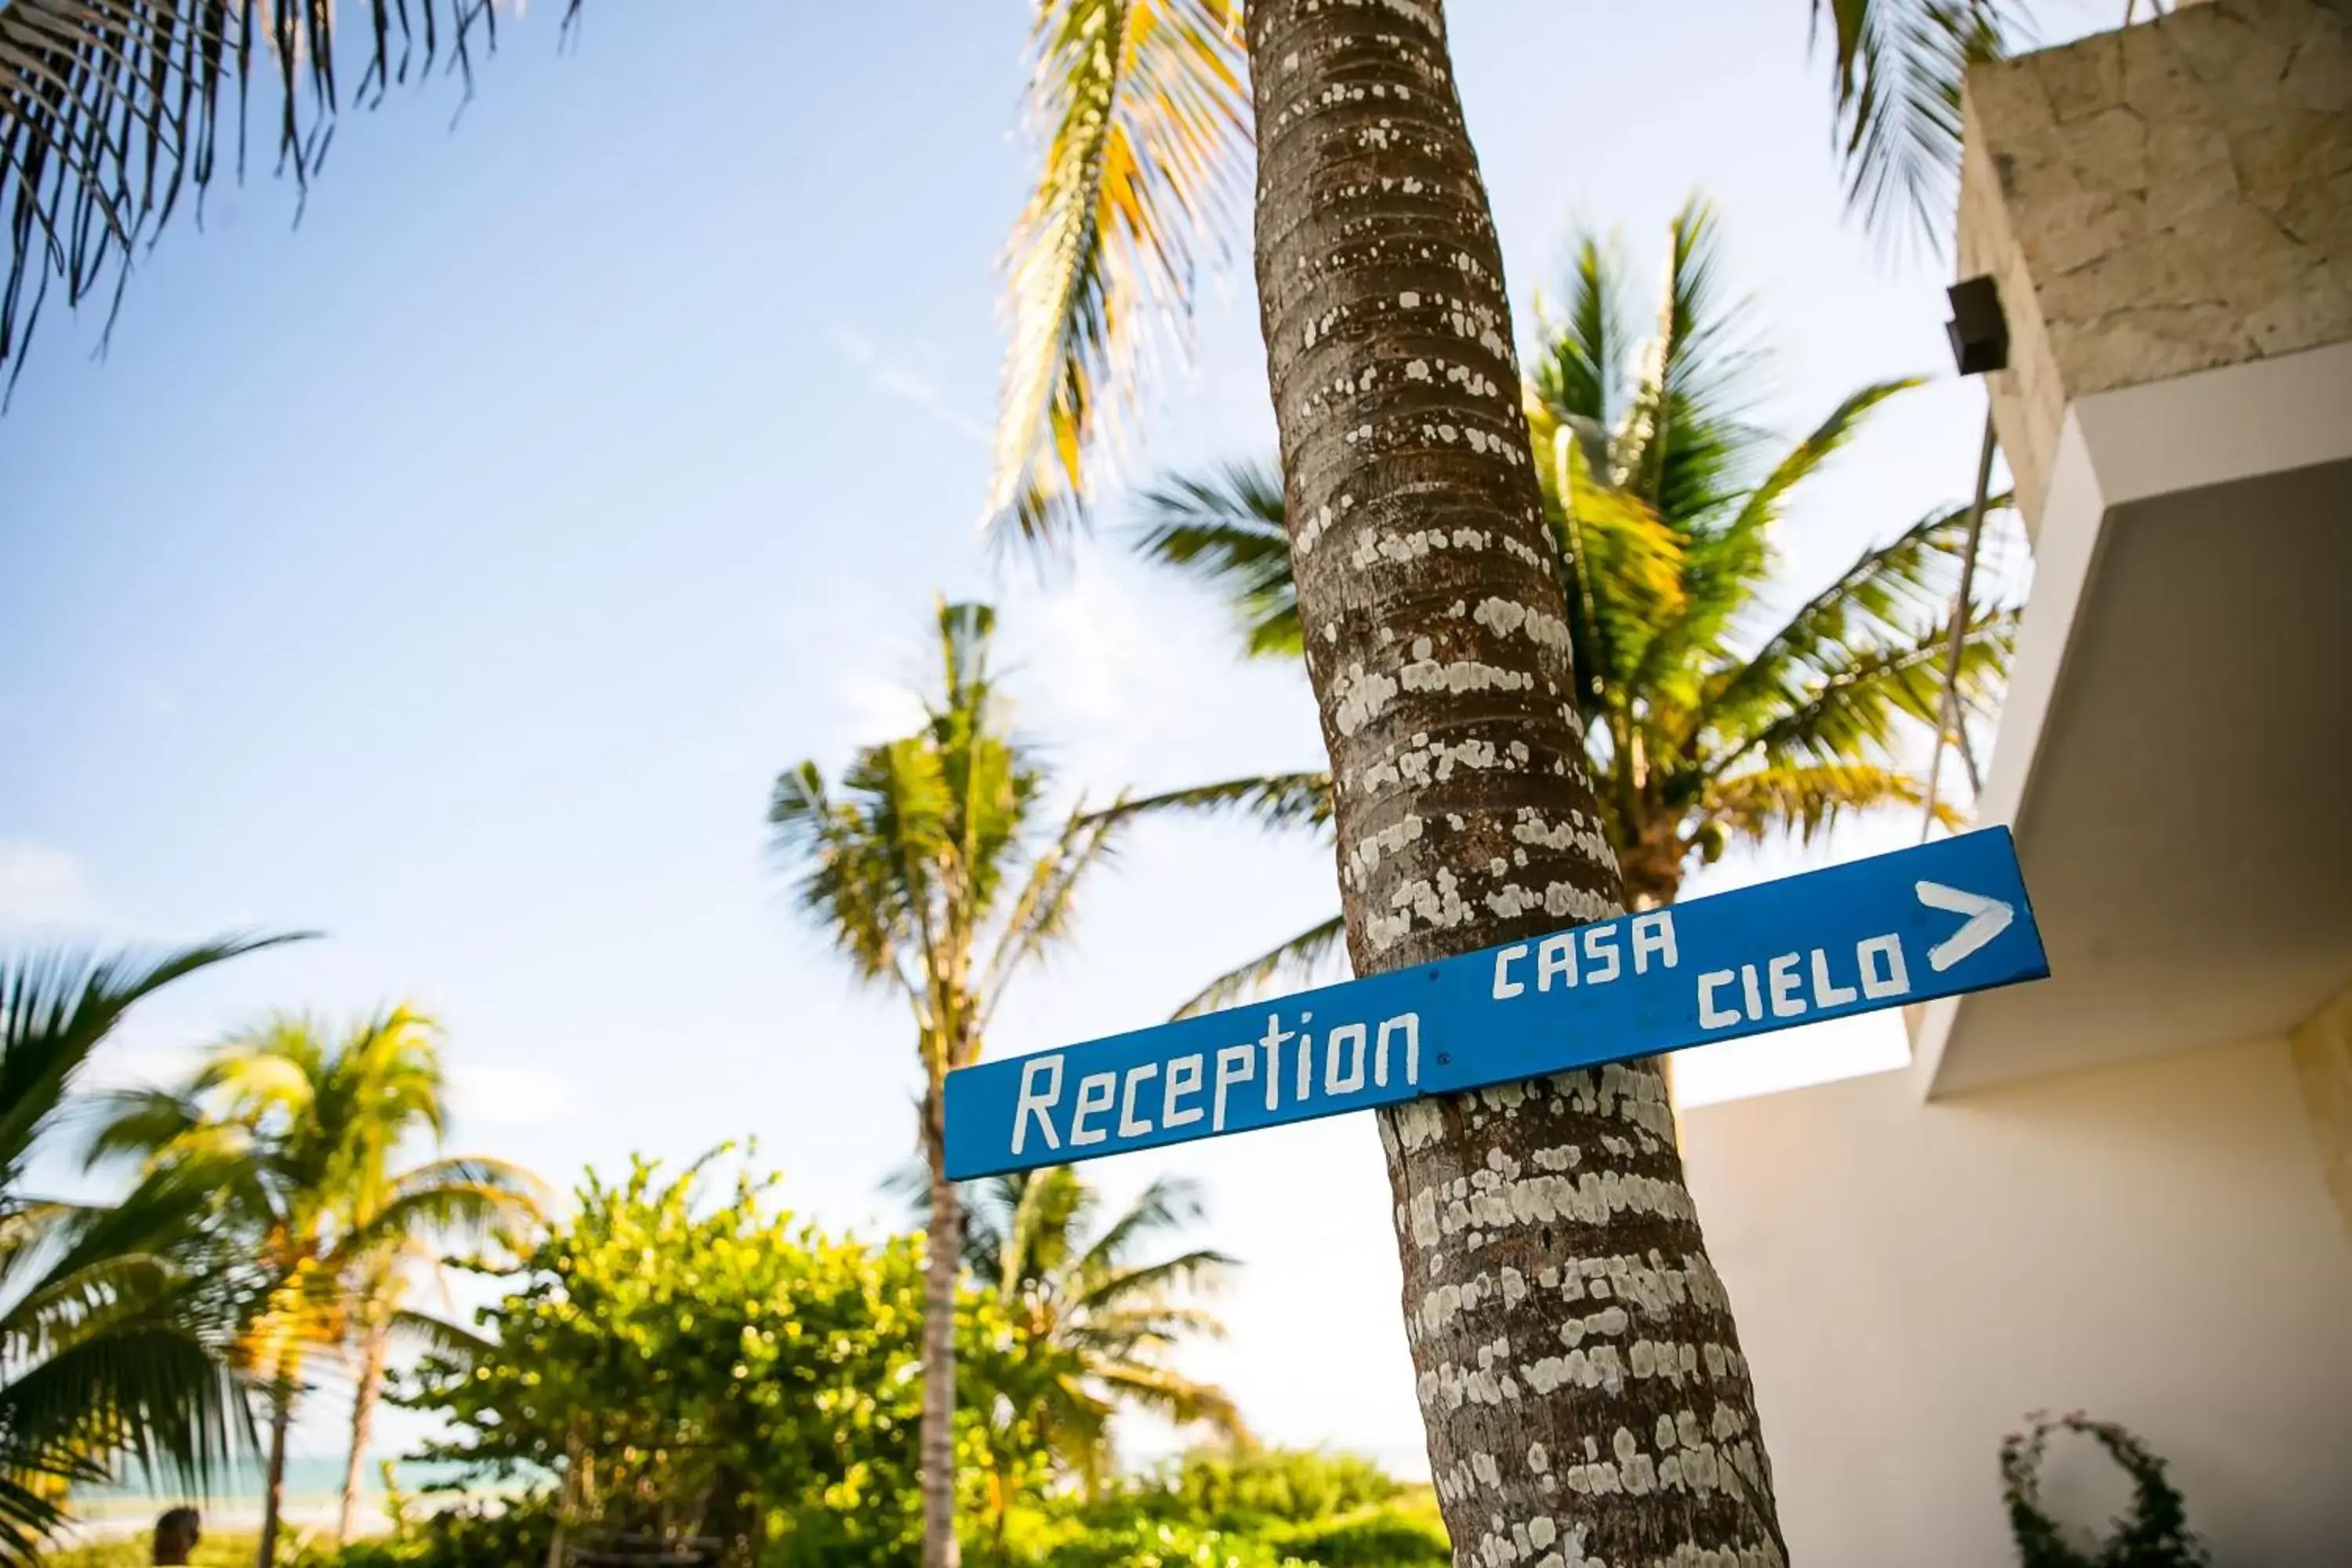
[
  {"x": 2155, "y": 1535},
  {"x": 131, "y": 1551},
  {"x": 1254, "y": 1487},
  {"x": 1146, "y": 1543},
  {"x": 1265, "y": 1505},
  {"x": 473, "y": 1536},
  {"x": 726, "y": 1370},
  {"x": 1383, "y": 1535}
]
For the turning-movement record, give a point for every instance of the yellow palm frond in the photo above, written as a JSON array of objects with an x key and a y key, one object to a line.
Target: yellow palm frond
[
  {"x": 1142, "y": 106},
  {"x": 1801, "y": 800}
]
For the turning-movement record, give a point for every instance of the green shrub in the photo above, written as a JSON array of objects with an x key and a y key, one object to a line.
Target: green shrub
[
  {"x": 1386, "y": 1535},
  {"x": 2155, "y": 1534},
  {"x": 472, "y": 1536},
  {"x": 1157, "y": 1543},
  {"x": 1250, "y": 1489}
]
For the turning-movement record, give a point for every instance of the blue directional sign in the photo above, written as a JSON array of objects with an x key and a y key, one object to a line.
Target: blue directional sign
[{"x": 1937, "y": 921}]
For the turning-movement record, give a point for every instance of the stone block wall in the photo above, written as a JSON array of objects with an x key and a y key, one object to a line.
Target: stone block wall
[{"x": 2171, "y": 198}]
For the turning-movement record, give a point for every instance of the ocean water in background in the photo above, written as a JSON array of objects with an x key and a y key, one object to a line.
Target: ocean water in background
[{"x": 313, "y": 1482}]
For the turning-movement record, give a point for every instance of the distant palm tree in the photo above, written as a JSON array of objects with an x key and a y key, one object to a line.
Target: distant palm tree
[
  {"x": 931, "y": 873},
  {"x": 1036, "y": 1240},
  {"x": 1704, "y": 722},
  {"x": 112, "y": 1341},
  {"x": 1143, "y": 113},
  {"x": 315, "y": 1124}
]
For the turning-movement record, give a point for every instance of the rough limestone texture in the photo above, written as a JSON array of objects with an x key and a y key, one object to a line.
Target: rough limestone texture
[
  {"x": 2323, "y": 1062},
  {"x": 2171, "y": 198}
]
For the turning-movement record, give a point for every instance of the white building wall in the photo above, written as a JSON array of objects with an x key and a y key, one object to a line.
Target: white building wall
[{"x": 2154, "y": 1244}]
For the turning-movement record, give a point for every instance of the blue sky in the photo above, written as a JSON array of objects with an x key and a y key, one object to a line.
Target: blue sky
[{"x": 454, "y": 572}]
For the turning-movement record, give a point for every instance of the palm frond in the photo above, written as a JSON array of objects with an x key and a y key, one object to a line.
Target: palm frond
[
  {"x": 1725, "y": 562},
  {"x": 1143, "y": 113},
  {"x": 1300, "y": 961},
  {"x": 1226, "y": 530},
  {"x": 56, "y": 1006},
  {"x": 1849, "y": 714},
  {"x": 1684, "y": 438},
  {"x": 867, "y": 859},
  {"x": 1202, "y": 1268},
  {"x": 1801, "y": 800},
  {"x": 1168, "y": 1204},
  {"x": 110, "y": 111},
  {"x": 1178, "y": 1399},
  {"x": 1042, "y": 913},
  {"x": 439, "y": 1337},
  {"x": 1579, "y": 365},
  {"x": 467, "y": 1200},
  {"x": 1884, "y": 596},
  {"x": 1899, "y": 65},
  {"x": 1622, "y": 563},
  {"x": 1269, "y": 800},
  {"x": 154, "y": 1391}
]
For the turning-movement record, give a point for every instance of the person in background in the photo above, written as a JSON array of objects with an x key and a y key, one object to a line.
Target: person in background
[{"x": 176, "y": 1535}]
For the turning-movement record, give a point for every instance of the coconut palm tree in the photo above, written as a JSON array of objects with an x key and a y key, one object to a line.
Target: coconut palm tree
[
  {"x": 113, "y": 1343},
  {"x": 317, "y": 1123},
  {"x": 934, "y": 871},
  {"x": 1144, "y": 114},
  {"x": 1707, "y": 722},
  {"x": 1037, "y": 1240},
  {"x": 1438, "y": 646},
  {"x": 111, "y": 112}
]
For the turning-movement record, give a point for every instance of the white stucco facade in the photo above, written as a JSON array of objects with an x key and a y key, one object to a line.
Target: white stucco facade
[
  {"x": 2126, "y": 1190},
  {"x": 2152, "y": 1243}
]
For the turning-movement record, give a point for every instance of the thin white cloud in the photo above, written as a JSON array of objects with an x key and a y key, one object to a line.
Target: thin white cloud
[
  {"x": 510, "y": 1094},
  {"x": 1099, "y": 679},
  {"x": 41, "y": 885},
  {"x": 911, "y": 387}
]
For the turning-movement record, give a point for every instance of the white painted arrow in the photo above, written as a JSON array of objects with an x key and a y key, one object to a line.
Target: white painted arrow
[{"x": 1988, "y": 918}]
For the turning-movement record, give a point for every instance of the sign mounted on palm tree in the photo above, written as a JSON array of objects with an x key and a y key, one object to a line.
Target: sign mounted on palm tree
[{"x": 1937, "y": 920}]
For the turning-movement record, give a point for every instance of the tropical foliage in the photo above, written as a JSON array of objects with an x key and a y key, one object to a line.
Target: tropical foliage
[
  {"x": 722, "y": 1370},
  {"x": 317, "y": 1221},
  {"x": 112, "y": 1331},
  {"x": 932, "y": 871},
  {"x": 1038, "y": 1242},
  {"x": 1139, "y": 110},
  {"x": 114, "y": 113},
  {"x": 1711, "y": 716}
]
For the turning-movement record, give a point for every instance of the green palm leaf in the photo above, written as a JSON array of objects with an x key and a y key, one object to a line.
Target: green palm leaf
[
  {"x": 1849, "y": 712},
  {"x": 1270, "y": 800},
  {"x": 110, "y": 1340},
  {"x": 1301, "y": 960},
  {"x": 1886, "y": 594},
  {"x": 111, "y": 111},
  {"x": 1684, "y": 439},
  {"x": 1226, "y": 530},
  {"x": 1143, "y": 112},
  {"x": 1899, "y": 67},
  {"x": 1086, "y": 1292},
  {"x": 54, "y": 1007},
  {"x": 1801, "y": 800},
  {"x": 1043, "y": 912}
]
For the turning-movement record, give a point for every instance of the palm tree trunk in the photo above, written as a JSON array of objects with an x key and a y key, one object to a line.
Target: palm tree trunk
[
  {"x": 1580, "y": 1376},
  {"x": 363, "y": 1397},
  {"x": 945, "y": 1255},
  {"x": 273, "y": 1488}
]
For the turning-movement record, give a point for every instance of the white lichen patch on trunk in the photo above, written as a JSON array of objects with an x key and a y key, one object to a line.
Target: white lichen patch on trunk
[{"x": 1577, "y": 1364}]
